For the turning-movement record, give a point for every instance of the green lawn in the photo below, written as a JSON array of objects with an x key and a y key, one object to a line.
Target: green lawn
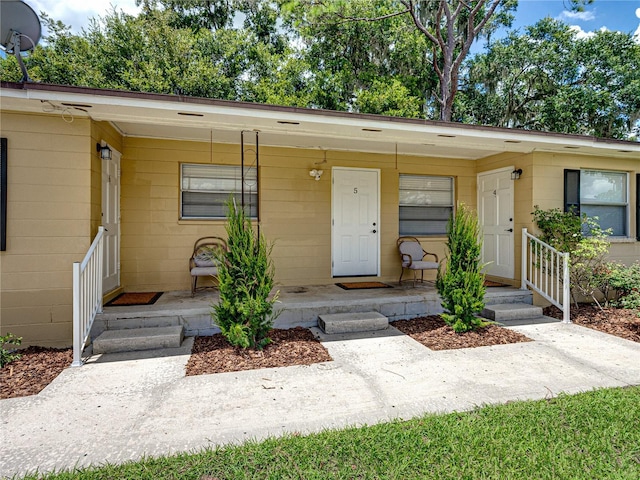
[{"x": 594, "y": 435}]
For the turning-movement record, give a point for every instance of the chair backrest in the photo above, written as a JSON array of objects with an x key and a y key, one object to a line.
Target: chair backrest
[
  {"x": 204, "y": 251},
  {"x": 412, "y": 248}
]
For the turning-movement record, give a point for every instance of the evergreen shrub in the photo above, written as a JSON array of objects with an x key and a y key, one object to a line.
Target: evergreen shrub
[
  {"x": 244, "y": 312},
  {"x": 460, "y": 282}
]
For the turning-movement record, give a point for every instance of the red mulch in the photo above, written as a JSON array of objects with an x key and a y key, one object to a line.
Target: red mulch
[
  {"x": 621, "y": 322},
  {"x": 34, "y": 370},
  {"x": 433, "y": 333},
  {"x": 296, "y": 346}
]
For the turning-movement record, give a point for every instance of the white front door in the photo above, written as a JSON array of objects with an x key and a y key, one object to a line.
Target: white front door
[
  {"x": 356, "y": 222},
  {"x": 495, "y": 211},
  {"x": 111, "y": 222}
]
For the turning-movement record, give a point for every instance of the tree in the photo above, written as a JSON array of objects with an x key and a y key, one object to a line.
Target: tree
[
  {"x": 447, "y": 28},
  {"x": 548, "y": 79}
]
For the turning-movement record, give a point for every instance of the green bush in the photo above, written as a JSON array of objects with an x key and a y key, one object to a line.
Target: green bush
[
  {"x": 244, "y": 312},
  {"x": 460, "y": 282},
  {"x": 8, "y": 356},
  {"x": 565, "y": 232},
  {"x": 623, "y": 282}
]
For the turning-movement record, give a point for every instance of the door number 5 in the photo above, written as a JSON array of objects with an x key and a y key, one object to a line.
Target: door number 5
[{"x": 355, "y": 191}]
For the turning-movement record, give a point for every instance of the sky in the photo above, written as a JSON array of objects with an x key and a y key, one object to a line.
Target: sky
[{"x": 620, "y": 15}]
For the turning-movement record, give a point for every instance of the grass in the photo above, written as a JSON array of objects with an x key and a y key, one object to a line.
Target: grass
[{"x": 589, "y": 435}]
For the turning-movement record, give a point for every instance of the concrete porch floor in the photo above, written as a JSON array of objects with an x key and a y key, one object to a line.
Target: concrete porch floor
[{"x": 297, "y": 306}]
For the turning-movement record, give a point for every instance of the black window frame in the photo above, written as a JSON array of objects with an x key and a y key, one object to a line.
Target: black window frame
[{"x": 572, "y": 196}]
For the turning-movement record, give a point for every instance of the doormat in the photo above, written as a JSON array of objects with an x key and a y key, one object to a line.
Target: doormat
[
  {"x": 134, "y": 298},
  {"x": 362, "y": 285},
  {"x": 489, "y": 283}
]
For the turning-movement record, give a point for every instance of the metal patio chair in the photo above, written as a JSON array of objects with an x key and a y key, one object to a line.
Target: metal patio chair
[
  {"x": 412, "y": 257},
  {"x": 202, "y": 262}
]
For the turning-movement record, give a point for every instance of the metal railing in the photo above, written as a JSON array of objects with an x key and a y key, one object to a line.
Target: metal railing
[
  {"x": 546, "y": 271},
  {"x": 87, "y": 295}
]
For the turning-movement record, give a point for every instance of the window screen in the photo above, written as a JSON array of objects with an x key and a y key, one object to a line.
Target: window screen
[
  {"x": 205, "y": 190},
  {"x": 426, "y": 203}
]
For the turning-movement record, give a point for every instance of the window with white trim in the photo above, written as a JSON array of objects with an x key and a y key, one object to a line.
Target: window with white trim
[
  {"x": 602, "y": 194},
  {"x": 205, "y": 189},
  {"x": 426, "y": 203}
]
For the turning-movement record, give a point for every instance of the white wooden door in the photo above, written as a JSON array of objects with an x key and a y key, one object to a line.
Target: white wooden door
[
  {"x": 356, "y": 222},
  {"x": 495, "y": 210},
  {"x": 111, "y": 222}
]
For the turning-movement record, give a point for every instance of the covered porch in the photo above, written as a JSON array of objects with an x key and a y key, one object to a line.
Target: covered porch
[{"x": 298, "y": 306}]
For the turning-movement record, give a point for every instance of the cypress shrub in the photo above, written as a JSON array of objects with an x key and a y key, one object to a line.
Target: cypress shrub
[
  {"x": 244, "y": 312},
  {"x": 460, "y": 282}
]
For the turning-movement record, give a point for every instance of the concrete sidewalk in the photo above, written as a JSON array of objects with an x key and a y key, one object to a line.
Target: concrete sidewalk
[{"x": 118, "y": 408}]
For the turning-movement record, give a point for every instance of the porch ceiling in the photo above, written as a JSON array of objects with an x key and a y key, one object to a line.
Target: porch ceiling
[{"x": 194, "y": 119}]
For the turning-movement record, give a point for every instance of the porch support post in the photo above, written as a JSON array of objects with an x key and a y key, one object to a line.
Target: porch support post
[
  {"x": 566, "y": 290},
  {"x": 524, "y": 261},
  {"x": 77, "y": 323}
]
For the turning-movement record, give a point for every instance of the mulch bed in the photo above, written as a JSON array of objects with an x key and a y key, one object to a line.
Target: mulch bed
[
  {"x": 33, "y": 371},
  {"x": 624, "y": 323},
  {"x": 433, "y": 333},
  {"x": 296, "y": 346},
  {"x": 39, "y": 366}
]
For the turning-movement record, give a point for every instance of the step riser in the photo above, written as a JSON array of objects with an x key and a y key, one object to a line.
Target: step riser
[
  {"x": 352, "y": 322},
  {"x": 131, "y": 340},
  {"x": 511, "y": 312}
]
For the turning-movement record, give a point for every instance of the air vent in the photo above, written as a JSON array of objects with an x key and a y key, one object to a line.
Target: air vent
[
  {"x": 371, "y": 130},
  {"x": 187, "y": 114},
  {"x": 287, "y": 122}
]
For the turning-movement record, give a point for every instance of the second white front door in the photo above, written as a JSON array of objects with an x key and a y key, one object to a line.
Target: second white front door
[
  {"x": 355, "y": 222},
  {"x": 111, "y": 222},
  {"x": 495, "y": 211}
]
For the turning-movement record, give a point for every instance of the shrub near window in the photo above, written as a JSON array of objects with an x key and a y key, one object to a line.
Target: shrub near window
[
  {"x": 459, "y": 281},
  {"x": 244, "y": 313}
]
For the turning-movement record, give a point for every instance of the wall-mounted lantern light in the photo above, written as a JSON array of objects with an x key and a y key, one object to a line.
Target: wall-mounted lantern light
[
  {"x": 515, "y": 175},
  {"x": 104, "y": 151}
]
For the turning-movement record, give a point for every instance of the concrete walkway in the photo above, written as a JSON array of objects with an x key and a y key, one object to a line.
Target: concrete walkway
[{"x": 118, "y": 408}]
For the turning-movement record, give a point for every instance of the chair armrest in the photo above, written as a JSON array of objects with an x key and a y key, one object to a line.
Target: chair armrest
[
  {"x": 408, "y": 256},
  {"x": 432, "y": 254}
]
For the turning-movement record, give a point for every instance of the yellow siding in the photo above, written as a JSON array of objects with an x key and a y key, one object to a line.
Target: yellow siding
[
  {"x": 48, "y": 224},
  {"x": 295, "y": 209}
]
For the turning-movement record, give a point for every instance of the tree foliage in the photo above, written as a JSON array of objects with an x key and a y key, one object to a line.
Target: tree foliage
[
  {"x": 549, "y": 79},
  {"x": 405, "y": 58}
]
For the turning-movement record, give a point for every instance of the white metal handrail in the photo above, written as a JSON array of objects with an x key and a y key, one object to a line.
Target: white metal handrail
[
  {"x": 87, "y": 295},
  {"x": 546, "y": 271}
]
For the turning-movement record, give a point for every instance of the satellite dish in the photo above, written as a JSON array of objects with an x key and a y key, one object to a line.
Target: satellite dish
[{"x": 20, "y": 30}]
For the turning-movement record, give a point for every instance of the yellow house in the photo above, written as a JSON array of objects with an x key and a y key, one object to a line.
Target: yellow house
[{"x": 333, "y": 190}]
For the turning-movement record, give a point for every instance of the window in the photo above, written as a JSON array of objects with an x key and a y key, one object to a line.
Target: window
[
  {"x": 205, "y": 190},
  {"x": 601, "y": 194},
  {"x": 426, "y": 203}
]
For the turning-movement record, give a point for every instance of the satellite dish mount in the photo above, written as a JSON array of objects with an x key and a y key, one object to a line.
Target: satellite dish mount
[{"x": 20, "y": 30}]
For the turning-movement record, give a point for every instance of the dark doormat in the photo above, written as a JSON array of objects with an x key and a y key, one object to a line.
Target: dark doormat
[
  {"x": 362, "y": 285},
  {"x": 489, "y": 283},
  {"x": 134, "y": 298}
]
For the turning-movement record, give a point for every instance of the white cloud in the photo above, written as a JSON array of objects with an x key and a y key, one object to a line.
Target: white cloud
[
  {"x": 583, "y": 16},
  {"x": 76, "y": 13},
  {"x": 580, "y": 33}
]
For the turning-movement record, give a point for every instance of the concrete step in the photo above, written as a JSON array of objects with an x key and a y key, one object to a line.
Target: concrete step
[
  {"x": 505, "y": 312},
  {"x": 134, "y": 339},
  {"x": 352, "y": 322}
]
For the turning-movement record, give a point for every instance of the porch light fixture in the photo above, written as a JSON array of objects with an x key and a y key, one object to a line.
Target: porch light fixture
[
  {"x": 104, "y": 151},
  {"x": 316, "y": 173},
  {"x": 515, "y": 175}
]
